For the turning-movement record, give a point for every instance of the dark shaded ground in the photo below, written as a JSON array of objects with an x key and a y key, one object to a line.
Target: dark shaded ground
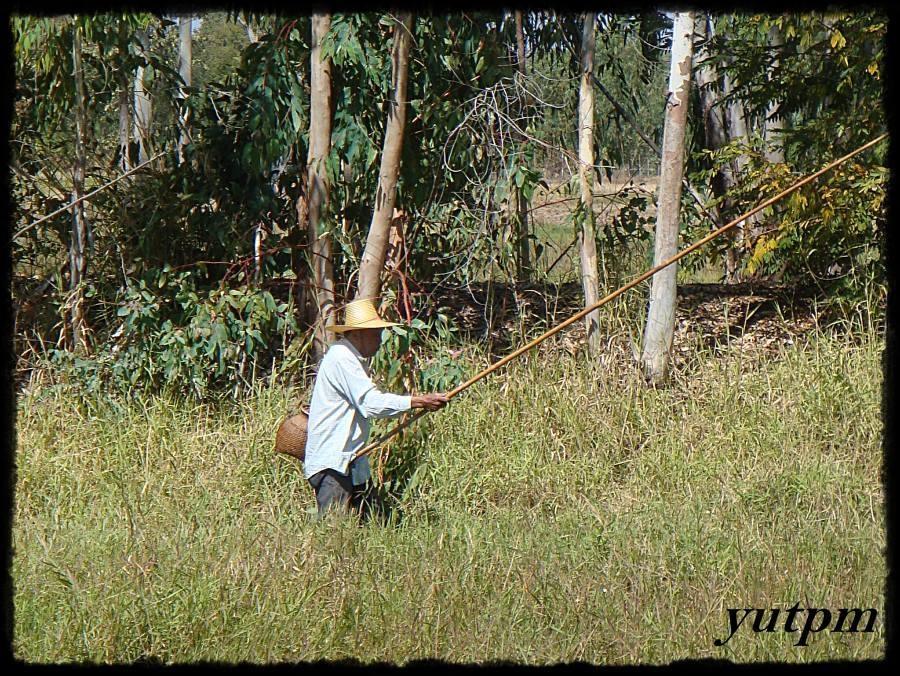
[{"x": 755, "y": 315}]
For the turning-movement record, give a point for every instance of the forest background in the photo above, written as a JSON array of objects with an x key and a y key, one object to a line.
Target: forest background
[{"x": 486, "y": 174}]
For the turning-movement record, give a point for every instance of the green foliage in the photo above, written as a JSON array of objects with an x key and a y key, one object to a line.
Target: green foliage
[
  {"x": 175, "y": 335},
  {"x": 43, "y": 50},
  {"x": 217, "y": 47},
  {"x": 826, "y": 82},
  {"x": 631, "y": 224},
  {"x": 434, "y": 185},
  {"x": 628, "y": 58},
  {"x": 477, "y": 134},
  {"x": 416, "y": 356},
  {"x": 829, "y": 232}
]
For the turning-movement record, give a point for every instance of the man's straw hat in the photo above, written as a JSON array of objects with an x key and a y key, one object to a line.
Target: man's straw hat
[{"x": 361, "y": 314}]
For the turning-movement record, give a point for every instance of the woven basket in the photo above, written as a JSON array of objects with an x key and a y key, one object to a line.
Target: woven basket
[{"x": 291, "y": 436}]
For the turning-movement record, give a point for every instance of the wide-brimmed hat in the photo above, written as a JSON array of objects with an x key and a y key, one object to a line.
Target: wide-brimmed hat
[{"x": 361, "y": 314}]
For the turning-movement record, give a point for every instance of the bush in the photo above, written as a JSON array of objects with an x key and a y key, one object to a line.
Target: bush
[{"x": 178, "y": 337}]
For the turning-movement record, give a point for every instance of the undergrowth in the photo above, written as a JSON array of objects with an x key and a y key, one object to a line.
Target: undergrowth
[{"x": 560, "y": 511}]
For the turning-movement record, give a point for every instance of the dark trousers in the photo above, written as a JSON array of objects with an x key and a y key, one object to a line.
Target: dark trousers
[{"x": 335, "y": 491}]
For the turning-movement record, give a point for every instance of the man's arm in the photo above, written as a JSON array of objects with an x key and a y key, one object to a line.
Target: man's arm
[
  {"x": 371, "y": 402},
  {"x": 365, "y": 396}
]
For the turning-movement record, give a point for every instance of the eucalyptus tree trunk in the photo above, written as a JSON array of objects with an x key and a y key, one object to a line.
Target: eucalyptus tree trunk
[
  {"x": 372, "y": 261},
  {"x": 520, "y": 43},
  {"x": 321, "y": 310},
  {"x": 184, "y": 70},
  {"x": 259, "y": 231},
  {"x": 259, "y": 237},
  {"x": 736, "y": 125},
  {"x": 587, "y": 242},
  {"x": 716, "y": 137},
  {"x": 124, "y": 125},
  {"x": 519, "y": 204},
  {"x": 710, "y": 94},
  {"x": 660, "y": 325},
  {"x": 774, "y": 123},
  {"x": 78, "y": 241},
  {"x": 143, "y": 108}
]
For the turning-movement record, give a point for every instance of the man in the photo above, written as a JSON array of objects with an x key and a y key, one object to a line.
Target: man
[{"x": 344, "y": 399}]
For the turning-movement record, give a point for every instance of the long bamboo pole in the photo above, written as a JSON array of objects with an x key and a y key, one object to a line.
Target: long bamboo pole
[{"x": 618, "y": 292}]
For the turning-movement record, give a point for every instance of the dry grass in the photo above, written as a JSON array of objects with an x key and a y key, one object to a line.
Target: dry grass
[{"x": 560, "y": 512}]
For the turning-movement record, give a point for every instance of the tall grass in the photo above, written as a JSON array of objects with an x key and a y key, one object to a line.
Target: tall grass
[{"x": 561, "y": 511}]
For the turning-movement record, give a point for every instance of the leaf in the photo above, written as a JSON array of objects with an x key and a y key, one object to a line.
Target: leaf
[
  {"x": 838, "y": 41},
  {"x": 764, "y": 245}
]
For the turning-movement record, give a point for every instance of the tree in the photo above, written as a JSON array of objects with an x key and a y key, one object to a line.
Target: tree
[
  {"x": 78, "y": 242},
  {"x": 824, "y": 75},
  {"x": 660, "y": 325},
  {"x": 518, "y": 202},
  {"x": 479, "y": 126},
  {"x": 184, "y": 70},
  {"x": 372, "y": 261},
  {"x": 322, "y": 277},
  {"x": 716, "y": 137},
  {"x": 774, "y": 120},
  {"x": 124, "y": 105},
  {"x": 587, "y": 243},
  {"x": 61, "y": 96},
  {"x": 143, "y": 107}
]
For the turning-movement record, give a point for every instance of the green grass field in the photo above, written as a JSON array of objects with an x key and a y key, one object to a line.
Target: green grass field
[{"x": 561, "y": 511}]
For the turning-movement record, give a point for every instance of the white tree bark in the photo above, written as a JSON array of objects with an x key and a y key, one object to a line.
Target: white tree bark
[
  {"x": 184, "y": 70},
  {"x": 259, "y": 232},
  {"x": 124, "y": 126},
  {"x": 520, "y": 42},
  {"x": 372, "y": 262},
  {"x": 587, "y": 241},
  {"x": 518, "y": 203},
  {"x": 143, "y": 108},
  {"x": 78, "y": 241},
  {"x": 736, "y": 124},
  {"x": 716, "y": 137},
  {"x": 251, "y": 34},
  {"x": 710, "y": 91},
  {"x": 660, "y": 325},
  {"x": 774, "y": 123},
  {"x": 322, "y": 277}
]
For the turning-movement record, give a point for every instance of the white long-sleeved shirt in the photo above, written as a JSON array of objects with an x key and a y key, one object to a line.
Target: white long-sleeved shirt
[{"x": 343, "y": 399}]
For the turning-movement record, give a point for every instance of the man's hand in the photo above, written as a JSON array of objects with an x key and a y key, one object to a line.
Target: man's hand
[{"x": 432, "y": 402}]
